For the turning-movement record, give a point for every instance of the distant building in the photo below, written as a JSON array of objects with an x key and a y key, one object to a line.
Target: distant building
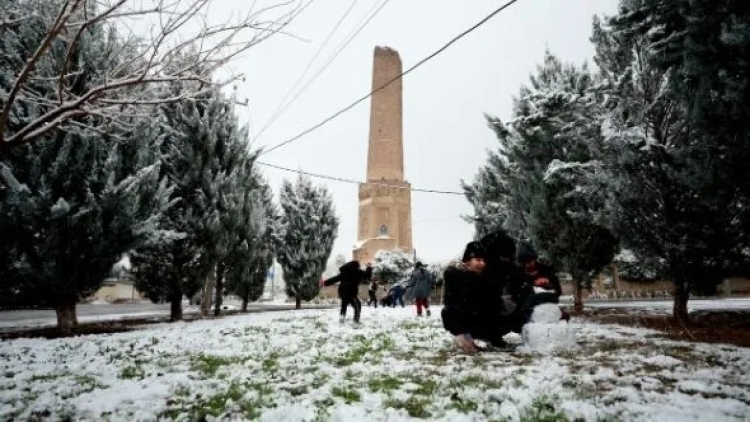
[
  {"x": 119, "y": 286},
  {"x": 385, "y": 199}
]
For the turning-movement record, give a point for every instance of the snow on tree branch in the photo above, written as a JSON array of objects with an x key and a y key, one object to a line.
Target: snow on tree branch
[{"x": 182, "y": 45}]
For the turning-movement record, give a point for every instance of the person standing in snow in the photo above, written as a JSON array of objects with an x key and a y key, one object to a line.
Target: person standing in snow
[
  {"x": 350, "y": 276},
  {"x": 471, "y": 304},
  {"x": 421, "y": 284},
  {"x": 372, "y": 292}
]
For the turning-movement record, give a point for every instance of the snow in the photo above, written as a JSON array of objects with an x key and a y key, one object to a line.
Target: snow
[
  {"x": 546, "y": 333},
  {"x": 304, "y": 365}
]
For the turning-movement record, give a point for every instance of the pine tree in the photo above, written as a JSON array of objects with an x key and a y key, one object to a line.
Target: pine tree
[
  {"x": 308, "y": 230},
  {"x": 71, "y": 207},
  {"x": 530, "y": 186},
  {"x": 82, "y": 196},
  {"x": 204, "y": 154},
  {"x": 671, "y": 131},
  {"x": 250, "y": 260}
]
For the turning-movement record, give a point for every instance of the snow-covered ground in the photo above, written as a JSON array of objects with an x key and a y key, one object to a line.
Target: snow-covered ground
[{"x": 305, "y": 366}]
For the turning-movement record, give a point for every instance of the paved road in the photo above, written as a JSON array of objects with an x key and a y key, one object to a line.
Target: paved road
[
  {"x": 14, "y": 320},
  {"x": 728, "y": 304}
]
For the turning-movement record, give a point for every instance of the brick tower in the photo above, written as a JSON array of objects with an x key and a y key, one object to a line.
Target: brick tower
[{"x": 385, "y": 200}]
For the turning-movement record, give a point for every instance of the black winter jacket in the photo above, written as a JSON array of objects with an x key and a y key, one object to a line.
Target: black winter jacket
[
  {"x": 350, "y": 276},
  {"x": 464, "y": 299}
]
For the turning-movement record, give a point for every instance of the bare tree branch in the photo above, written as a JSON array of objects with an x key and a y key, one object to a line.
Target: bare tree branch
[{"x": 183, "y": 46}]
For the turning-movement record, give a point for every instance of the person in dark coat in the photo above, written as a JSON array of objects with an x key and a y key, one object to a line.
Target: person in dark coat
[
  {"x": 421, "y": 284},
  {"x": 372, "y": 293},
  {"x": 466, "y": 314},
  {"x": 396, "y": 295},
  {"x": 504, "y": 277},
  {"x": 540, "y": 283},
  {"x": 350, "y": 276}
]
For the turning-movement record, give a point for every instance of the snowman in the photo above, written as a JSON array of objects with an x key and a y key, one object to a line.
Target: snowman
[{"x": 546, "y": 331}]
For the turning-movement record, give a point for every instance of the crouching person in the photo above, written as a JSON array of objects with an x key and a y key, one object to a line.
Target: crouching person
[{"x": 467, "y": 314}]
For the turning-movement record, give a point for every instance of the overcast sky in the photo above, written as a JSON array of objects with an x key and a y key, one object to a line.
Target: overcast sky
[{"x": 445, "y": 136}]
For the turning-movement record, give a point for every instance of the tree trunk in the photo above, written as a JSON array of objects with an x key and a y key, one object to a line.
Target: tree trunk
[
  {"x": 245, "y": 300},
  {"x": 219, "y": 289},
  {"x": 175, "y": 308},
  {"x": 207, "y": 290},
  {"x": 681, "y": 295},
  {"x": 67, "y": 320},
  {"x": 578, "y": 300},
  {"x": 298, "y": 303}
]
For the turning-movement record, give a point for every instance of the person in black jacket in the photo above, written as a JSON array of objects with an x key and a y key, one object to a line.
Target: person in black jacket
[
  {"x": 467, "y": 313},
  {"x": 349, "y": 278},
  {"x": 540, "y": 283},
  {"x": 505, "y": 279}
]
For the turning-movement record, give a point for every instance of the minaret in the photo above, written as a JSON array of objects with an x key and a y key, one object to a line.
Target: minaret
[
  {"x": 385, "y": 158},
  {"x": 385, "y": 200}
]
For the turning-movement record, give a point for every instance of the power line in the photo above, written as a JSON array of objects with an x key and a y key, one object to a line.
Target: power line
[
  {"x": 282, "y": 105},
  {"x": 420, "y": 63},
  {"x": 325, "y": 66},
  {"x": 357, "y": 182}
]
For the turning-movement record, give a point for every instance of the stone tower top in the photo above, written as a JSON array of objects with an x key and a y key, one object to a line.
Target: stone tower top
[{"x": 385, "y": 159}]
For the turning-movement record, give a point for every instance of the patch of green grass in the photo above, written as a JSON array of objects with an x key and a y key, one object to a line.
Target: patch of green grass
[
  {"x": 542, "y": 410},
  {"x": 83, "y": 384},
  {"x": 416, "y": 407},
  {"x": 478, "y": 381},
  {"x": 427, "y": 387},
  {"x": 409, "y": 325},
  {"x": 47, "y": 377},
  {"x": 271, "y": 362},
  {"x": 349, "y": 394},
  {"x": 363, "y": 349},
  {"x": 208, "y": 364},
  {"x": 441, "y": 357},
  {"x": 132, "y": 372},
  {"x": 319, "y": 381},
  {"x": 296, "y": 390},
  {"x": 321, "y": 411},
  {"x": 463, "y": 405},
  {"x": 199, "y": 408},
  {"x": 385, "y": 383}
]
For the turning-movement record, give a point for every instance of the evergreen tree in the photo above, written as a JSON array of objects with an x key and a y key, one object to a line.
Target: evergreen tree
[
  {"x": 308, "y": 229},
  {"x": 253, "y": 256},
  {"x": 392, "y": 266},
  {"x": 204, "y": 156},
  {"x": 72, "y": 205},
  {"x": 82, "y": 196},
  {"x": 530, "y": 185},
  {"x": 676, "y": 201}
]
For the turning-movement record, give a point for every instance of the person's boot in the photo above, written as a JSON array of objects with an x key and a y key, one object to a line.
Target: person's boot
[
  {"x": 342, "y": 319},
  {"x": 429, "y": 313}
]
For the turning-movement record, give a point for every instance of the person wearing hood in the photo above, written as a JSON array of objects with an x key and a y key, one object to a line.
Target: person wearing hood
[
  {"x": 540, "y": 283},
  {"x": 350, "y": 276},
  {"x": 505, "y": 279},
  {"x": 421, "y": 284},
  {"x": 468, "y": 313}
]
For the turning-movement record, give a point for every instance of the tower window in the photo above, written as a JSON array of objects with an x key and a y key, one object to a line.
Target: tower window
[{"x": 383, "y": 230}]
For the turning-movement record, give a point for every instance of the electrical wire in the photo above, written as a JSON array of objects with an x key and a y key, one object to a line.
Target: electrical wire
[
  {"x": 282, "y": 105},
  {"x": 352, "y": 181},
  {"x": 325, "y": 66},
  {"x": 420, "y": 63}
]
